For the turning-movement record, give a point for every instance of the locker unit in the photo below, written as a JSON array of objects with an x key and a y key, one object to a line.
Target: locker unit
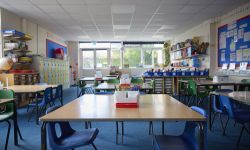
[{"x": 52, "y": 71}]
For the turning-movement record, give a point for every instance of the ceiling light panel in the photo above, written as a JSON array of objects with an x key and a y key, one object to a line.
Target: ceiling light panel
[
  {"x": 71, "y": 2},
  {"x": 192, "y": 9},
  {"x": 48, "y": 2},
  {"x": 51, "y": 8},
  {"x": 120, "y": 27},
  {"x": 122, "y": 9}
]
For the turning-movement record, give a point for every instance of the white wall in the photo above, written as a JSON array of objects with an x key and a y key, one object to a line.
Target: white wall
[
  {"x": 203, "y": 32},
  {"x": 39, "y": 34},
  {"x": 73, "y": 47},
  {"x": 208, "y": 31}
]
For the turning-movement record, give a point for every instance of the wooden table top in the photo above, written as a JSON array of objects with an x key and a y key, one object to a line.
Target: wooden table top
[
  {"x": 3, "y": 101},
  {"x": 108, "y": 86},
  {"x": 29, "y": 88},
  {"x": 93, "y": 78},
  {"x": 102, "y": 108},
  {"x": 241, "y": 96}
]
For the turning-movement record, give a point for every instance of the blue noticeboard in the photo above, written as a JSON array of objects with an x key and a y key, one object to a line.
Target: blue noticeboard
[
  {"x": 52, "y": 46},
  {"x": 234, "y": 42}
]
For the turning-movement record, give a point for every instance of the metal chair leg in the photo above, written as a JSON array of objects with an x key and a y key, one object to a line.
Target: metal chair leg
[
  {"x": 224, "y": 127},
  {"x": 94, "y": 146},
  {"x": 239, "y": 138},
  {"x": 151, "y": 128},
  {"x": 8, "y": 134},
  {"x": 215, "y": 114}
]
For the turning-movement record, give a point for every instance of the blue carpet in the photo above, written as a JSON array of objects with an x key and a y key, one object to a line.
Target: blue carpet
[{"x": 136, "y": 133}]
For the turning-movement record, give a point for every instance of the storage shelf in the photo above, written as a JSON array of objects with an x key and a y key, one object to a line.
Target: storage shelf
[
  {"x": 180, "y": 49},
  {"x": 16, "y": 50},
  {"x": 189, "y": 57}
]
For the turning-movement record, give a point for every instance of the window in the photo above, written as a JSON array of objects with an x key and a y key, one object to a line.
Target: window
[
  {"x": 132, "y": 56},
  {"x": 88, "y": 59},
  {"x": 115, "y": 57},
  {"x": 103, "y": 54},
  {"x": 101, "y": 58}
]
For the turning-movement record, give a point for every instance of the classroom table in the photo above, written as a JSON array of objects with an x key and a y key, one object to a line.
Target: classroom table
[
  {"x": 5, "y": 101},
  {"x": 109, "y": 86},
  {"x": 94, "y": 79},
  {"x": 31, "y": 89},
  {"x": 239, "y": 96},
  {"x": 152, "y": 107}
]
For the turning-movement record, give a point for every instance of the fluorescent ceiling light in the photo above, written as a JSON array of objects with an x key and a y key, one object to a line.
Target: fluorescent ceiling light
[
  {"x": 123, "y": 9},
  {"x": 167, "y": 27},
  {"x": 119, "y": 36},
  {"x": 83, "y": 37},
  {"x": 158, "y": 36},
  {"x": 121, "y": 27}
]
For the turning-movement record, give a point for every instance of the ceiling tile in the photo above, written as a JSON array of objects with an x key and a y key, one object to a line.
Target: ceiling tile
[
  {"x": 123, "y": 9},
  {"x": 192, "y": 8},
  {"x": 44, "y": 2},
  {"x": 51, "y": 8}
]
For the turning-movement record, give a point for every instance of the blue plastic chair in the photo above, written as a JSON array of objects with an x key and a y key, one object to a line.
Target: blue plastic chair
[
  {"x": 69, "y": 138},
  {"x": 59, "y": 94},
  {"x": 216, "y": 106},
  {"x": 42, "y": 105},
  {"x": 239, "y": 115},
  {"x": 185, "y": 141}
]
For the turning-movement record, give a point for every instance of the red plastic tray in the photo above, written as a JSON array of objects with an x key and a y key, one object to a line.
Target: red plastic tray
[{"x": 126, "y": 105}]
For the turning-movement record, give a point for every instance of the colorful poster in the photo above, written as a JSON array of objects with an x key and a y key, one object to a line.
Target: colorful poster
[
  {"x": 246, "y": 55},
  {"x": 223, "y": 56},
  {"x": 239, "y": 55},
  {"x": 222, "y": 41},
  {"x": 232, "y": 57}
]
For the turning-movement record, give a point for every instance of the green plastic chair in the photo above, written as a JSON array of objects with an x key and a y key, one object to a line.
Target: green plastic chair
[
  {"x": 192, "y": 92},
  {"x": 243, "y": 87},
  {"x": 113, "y": 81},
  {"x": 8, "y": 113},
  {"x": 137, "y": 81}
]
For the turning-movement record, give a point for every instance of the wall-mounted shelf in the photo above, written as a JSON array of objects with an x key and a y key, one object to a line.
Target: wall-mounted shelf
[
  {"x": 180, "y": 49},
  {"x": 190, "y": 57}
]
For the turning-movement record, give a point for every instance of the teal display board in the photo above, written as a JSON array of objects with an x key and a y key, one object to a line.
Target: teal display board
[{"x": 234, "y": 42}]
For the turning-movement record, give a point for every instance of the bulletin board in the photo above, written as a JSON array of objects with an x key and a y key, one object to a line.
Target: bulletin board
[
  {"x": 234, "y": 42},
  {"x": 51, "y": 46}
]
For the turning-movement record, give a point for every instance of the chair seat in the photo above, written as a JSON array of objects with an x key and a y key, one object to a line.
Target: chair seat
[
  {"x": 168, "y": 142},
  {"x": 40, "y": 103},
  {"x": 6, "y": 115},
  {"x": 242, "y": 116},
  {"x": 79, "y": 138}
]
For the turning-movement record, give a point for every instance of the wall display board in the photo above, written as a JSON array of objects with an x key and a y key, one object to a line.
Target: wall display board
[
  {"x": 52, "y": 47},
  {"x": 234, "y": 42}
]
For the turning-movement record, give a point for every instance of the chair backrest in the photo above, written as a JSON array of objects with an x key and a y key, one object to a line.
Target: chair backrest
[
  {"x": 113, "y": 81},
  {"x": 189, "y": 131},
  {"x": 59, "y": 91},
  {"x": 81, "y": 83},
  {"x": 6, "y": 94},
  {"x": 48, "y": 96},
  {"x": 216, "y": 103},
  {"x": 65, "y": 129},
  {"x": 192, "y": 87},
  {"x": 89, "y": 90},
  {"x": 227, "y": 106},
  {"x": 137, "y": 81}
]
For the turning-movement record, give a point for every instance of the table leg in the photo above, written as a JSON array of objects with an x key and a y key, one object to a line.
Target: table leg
[
  {"x": 179, "y": 91},
  {"x": 37, "y": 109},
  {"x": 210, "y": 111},
  {"x": 163, "y": 127},
  {"x": 15, "y": 124},
  {"x": 43, "y": 137},
  {"x": 201, "y": 136},
  {"x": 61, "y": 98}
]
